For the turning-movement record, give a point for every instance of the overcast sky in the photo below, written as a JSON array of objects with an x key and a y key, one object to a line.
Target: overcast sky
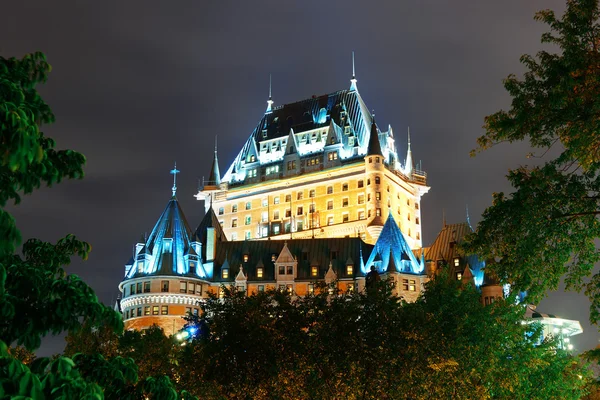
[{"x": 138, "y": 85}]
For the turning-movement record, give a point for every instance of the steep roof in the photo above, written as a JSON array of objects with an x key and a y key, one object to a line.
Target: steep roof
[
  {"x": 341, "y": 111},
  {"x": 307, "y": 252},
  {"x": 164, "y": 251},
  {"x": 391, "y": 247},
  {"x": 209, "y": 220},
  {"x": 374, "y": 148}
]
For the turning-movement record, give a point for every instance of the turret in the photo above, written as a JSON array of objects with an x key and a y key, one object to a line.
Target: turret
[{"x": 374, "y": 168}]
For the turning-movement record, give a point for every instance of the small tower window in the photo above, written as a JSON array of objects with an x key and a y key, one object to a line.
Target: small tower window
[
  {"x": 370, "y": 160},
  {"x": 246, "y": 256},
  {"x": 164, "y": 286},
  {"x": 456, "y": 262},
  {"x": 378, "y": 212},
  {"x": 361, "y": 183},
  {"x": 314, "y": 271},
  {"x": 192, "y": 267},
  {"x": 349, "y": 269},
  {"x": 259, "y": 272},
  {"x": 377, "y": 180},
  {"x": 225, "y": 273}
]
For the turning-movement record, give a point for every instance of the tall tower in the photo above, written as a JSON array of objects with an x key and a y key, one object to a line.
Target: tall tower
[{"x": 374, "y": 167}]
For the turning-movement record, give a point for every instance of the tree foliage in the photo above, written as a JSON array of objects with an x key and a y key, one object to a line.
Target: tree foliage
[
  {"x": 37, "y": 295},
  {"x": 546, "y": 229},
  {"x": 374, "y": 346}
]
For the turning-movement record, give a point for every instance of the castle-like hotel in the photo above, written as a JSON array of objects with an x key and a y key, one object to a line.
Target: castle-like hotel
[{"x": 318, "y": 193}]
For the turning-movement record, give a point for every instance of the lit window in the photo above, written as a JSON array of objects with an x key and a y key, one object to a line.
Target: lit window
[
  {"x": 349, "y": 270},
  {"x": 259, "y": 272},
  {"x": 252, "y": 173},
  {"x": 182, "y": 287},
  {"x": 140, "y": 267},
  {"x": 234, "y": 236},
  {"x": 412, "y": 285},
  {"x": 405, "y": 284},
  {"x": 188, "y": 310},
  {"x": 344, "y": 187},
  {"x": 378, "y": 212},
  {"x": 377, "y": 195},
  {"x": 329, "y": 189},
  {"x": 164, "y": 310},
  {"x": 164, "y": 286},
  {"x": 299, "y": 226},
  {"x": 456, "y": 262},
  {"x": 458, "y": 276},
  {"x": 377, "y": 159},
  {"x": 361, "y": 183},
  {"x": 234, "y": 208},
  {"x": 261, "y": 288},
  {"x": 234, "y": 223},
  {"x": 154, "y": 310},
  {"x": 289, "y": 288},
  {"x": 147, "y": 310},
  {"x": 248, "y": 220},
  {"x": 276, "y": 200},
  {"x": 314, "y": 271},
  {"x": 264, "y": 216},
  {"x": 345, "y": 202},
  {"x": 248, "y": 205},
  {"x": 272, "y": 170},
  {"x": 377, "y": 180},
  {"x": 192, "y": 267},
  {"x": 408, "y": 202},
  {"x": 361, "y": 215},
  {"x": 248, "y": 235},
  {"x": 225, "y": 273},
  {"x": 199, "y": 289},
  {"x": 350, "y": 287},
  {"x": 265, "y": 202},
  {"x": 311, "y": 193},
  {"x": 276, "y": 229},
  {"x": 311, "y": 288},
  {"x": 246, "y": 258},
  {"x": 291, "y": 165},
  {"x": 329, "y": 220},
  {"x": 418, "y": 236},
  {"x": 332, "y": 155},
  {"x": 195, "y": 311},
  {"x": 221, "y": 210},
  {"x": 273, "y": 257},
  {"x": 276, "y": 214}
]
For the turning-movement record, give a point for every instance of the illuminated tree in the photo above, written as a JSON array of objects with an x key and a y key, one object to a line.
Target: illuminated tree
[{"x": 546, "y": 229}]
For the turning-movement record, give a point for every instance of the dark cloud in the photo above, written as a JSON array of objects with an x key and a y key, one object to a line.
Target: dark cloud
[{"x": 137, "y": 85}]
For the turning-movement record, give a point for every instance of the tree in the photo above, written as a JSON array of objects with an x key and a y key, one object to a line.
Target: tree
[
  {"x": 37, "y": 295},
  {"x": 375, "y": 346},
  {"x": 546, "y": 229}
]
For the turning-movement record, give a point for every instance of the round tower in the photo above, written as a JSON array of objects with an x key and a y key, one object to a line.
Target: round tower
[
  {"x": 165, "y": 279},
  {"x": 374, "y": 171}
]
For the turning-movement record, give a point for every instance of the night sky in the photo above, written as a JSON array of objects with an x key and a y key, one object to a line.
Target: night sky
[{"x": 138, "y": 85}]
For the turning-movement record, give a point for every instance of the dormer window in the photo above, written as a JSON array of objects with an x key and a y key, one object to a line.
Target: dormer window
[
  {"x": 458, "y": 276},
  {"x": 140, "y": 267},
  {"x": 259, "y": 272},
  {"x": 273, "y": 257},
  {"x": 192, "y": 267},
  {"x": 225, "y": 273},
  {"x": 246, "y": 256},
  {"x": 456, "y": 262},
  {"x": 349, "y": 270},
  {"x": 314, "y": 271}
]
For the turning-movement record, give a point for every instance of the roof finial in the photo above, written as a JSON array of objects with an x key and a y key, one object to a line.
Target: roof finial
[
  {"x": 270, "y": 101},
  {"x": 408, "y": 162},
  {"x": 409, "y": 137},
  {"x": 216, "y": 136},
  {"x": 175, "y": 171},
  {"x": 353, "y": 80}
]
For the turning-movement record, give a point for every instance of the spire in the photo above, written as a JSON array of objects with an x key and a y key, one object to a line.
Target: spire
[
  {"x": 174, "y": 172},
  {"x": 468, "y": 218},
  {"x": 215, "y": 176},
  {"x": 408, "y": 165},
  {"x": 353, "y": 80},
  {"x": 374, "y": 148},
  {"x": 270, "y": 101}
]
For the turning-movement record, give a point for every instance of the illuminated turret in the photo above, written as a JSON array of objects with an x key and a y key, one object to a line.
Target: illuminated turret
[{"x": 374, "y": 168}]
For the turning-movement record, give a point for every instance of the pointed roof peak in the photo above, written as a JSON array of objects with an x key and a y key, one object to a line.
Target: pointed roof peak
[
  {"x": 270, "y": 101},
  {"x": 214, "y": 178},
  {"x": 353, "y": 80},
  {"x": 374, "y": 147},
  {"x": 174, "y": 172}
]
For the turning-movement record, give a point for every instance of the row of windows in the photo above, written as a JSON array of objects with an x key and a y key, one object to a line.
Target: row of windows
[
  {"x": 345, "y": 202},
  {"x": 184, "y": 287},
  {"x": 286, "y": 270},
  {"x": 154, "y": 310}
]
